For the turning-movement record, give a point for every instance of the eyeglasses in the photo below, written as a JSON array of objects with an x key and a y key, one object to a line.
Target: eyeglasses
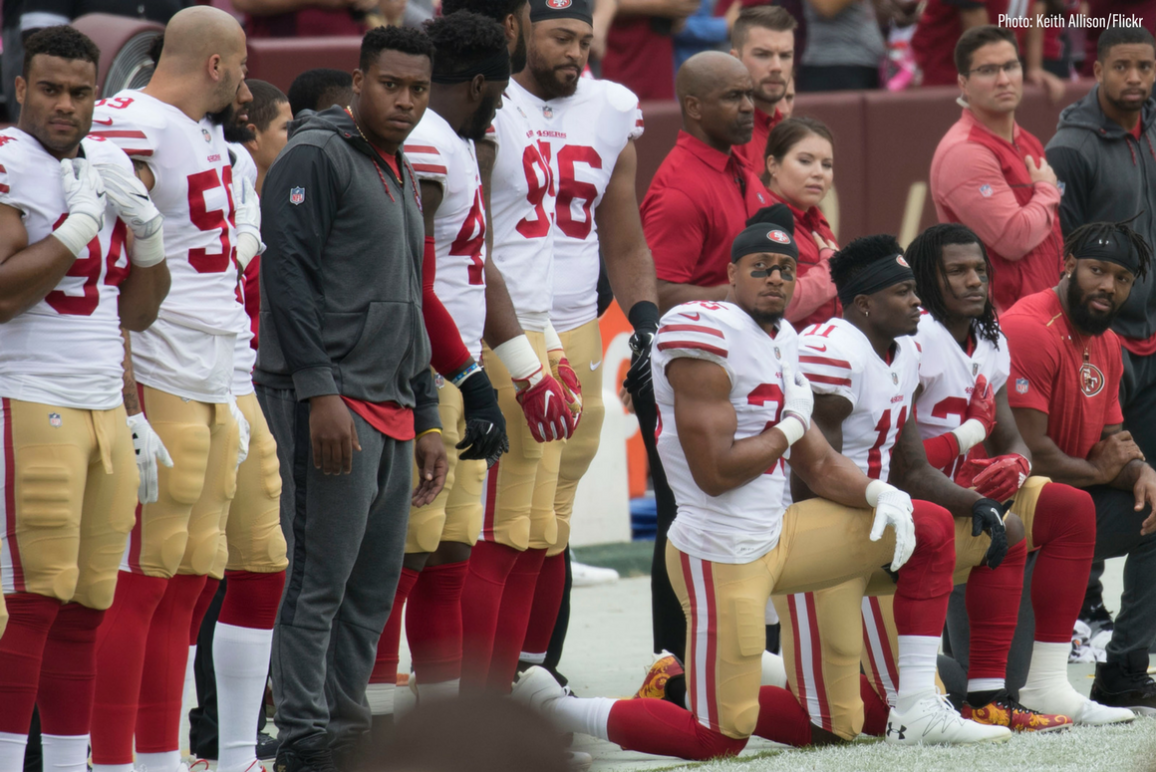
[{"x": 989, "y": 71}]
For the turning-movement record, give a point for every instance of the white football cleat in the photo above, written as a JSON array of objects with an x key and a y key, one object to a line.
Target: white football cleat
[
  {"x": 933, "y": 721},
  {"x": 582, "y": 575},
  {"x": 1063, "y": 698},
  {"x": 537, "y": 689}
]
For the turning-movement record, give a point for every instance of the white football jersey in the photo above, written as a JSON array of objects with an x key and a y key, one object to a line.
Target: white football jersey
[
  {"x": 947, "y": 374},
  {"x": 582, "y": 136},
  {"x": 244, "y": 355},
  {"x": 188, "y": 351},
  {"x": 522, "y": 210},
  {"x": 439, "y": 155},
  {"x": 744, "y": 523},
  {"x": 67, "y": 349},
  {"x": 838, "y": 359}
]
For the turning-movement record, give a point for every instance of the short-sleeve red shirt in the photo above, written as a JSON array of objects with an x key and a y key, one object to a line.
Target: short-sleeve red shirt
[
  {"x": 1073, "y": 378},
  {"x": 699, "y": 200}
]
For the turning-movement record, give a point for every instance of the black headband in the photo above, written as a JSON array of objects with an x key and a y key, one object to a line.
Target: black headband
[
  {"x": 763, "y": 237},
  {"x": 495, "y": 67},
  {"x": 879, "y": 275},
  {"x": 545, "y": 10},
  {"x": 1115, "y": 248}
]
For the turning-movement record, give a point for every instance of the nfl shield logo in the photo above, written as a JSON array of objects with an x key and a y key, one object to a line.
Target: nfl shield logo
[
  {"x": 548, "y": 111},
  {"x": 778, "y": 354},
  {"x": 895, "y": 379},
  {"x": 55, "y": 420},
  {"x": 974, "y": 368},
  {"x": 205, "y": 133},
  {"x": 985, "y": 191},
  {"x": 1021, "y": 385},
  {"x": 296, "y": 196}
]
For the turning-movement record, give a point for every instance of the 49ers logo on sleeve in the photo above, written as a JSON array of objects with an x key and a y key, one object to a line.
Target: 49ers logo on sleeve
[
  {"x": 1091, "y": 379},
  {"x": 779, "y": 237}
]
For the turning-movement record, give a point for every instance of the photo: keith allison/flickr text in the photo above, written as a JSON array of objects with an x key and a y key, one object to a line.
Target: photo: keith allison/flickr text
[{"x": 1081, "y": 21}]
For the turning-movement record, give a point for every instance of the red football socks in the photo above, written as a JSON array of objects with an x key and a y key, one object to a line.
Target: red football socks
[
  {"x": 993, "y": 606},
  {"x": 385, "y": 665},
  {"x": 544, "y": 612},
  {"x": 434, "y": 625},
  {"x": 513, "y": 619},
  {"x": 490, "y": 565},
  {"x": 68, "y": 675},
  {"x": 22, "y": 648},
  {"x": 158, "y": 718},
  {"x": 120, "y": 652},
  {"x": 664, "y": 729},
  {"x": 1064, "y": 529}
]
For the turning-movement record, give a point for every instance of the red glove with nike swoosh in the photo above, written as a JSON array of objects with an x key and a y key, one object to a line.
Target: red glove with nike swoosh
[
  {"x": 998, "y": 478},
  {"x": 542, "y": 398},
  {"x": 564, "y": 374},
  {"x": 544, "y": 403}
]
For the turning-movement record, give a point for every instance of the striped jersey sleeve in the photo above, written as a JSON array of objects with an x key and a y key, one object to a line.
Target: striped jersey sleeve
[
  {"x": 829, "y": 368},
  {"x": 122, "y": 121},
  {"x": 693, "y": 334},
  {"x": 428, "y": 162}
]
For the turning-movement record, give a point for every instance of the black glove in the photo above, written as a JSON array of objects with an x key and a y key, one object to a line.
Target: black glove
[
  {"x": 987, "y": 515},
  {"x": 639, "y": 382},
  {"x": 485, "y": 435}
]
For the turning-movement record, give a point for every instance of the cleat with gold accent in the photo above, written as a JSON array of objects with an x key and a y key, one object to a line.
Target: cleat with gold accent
[
  {"x": 1004, "y": 711},
  {"x": 664, "y": 667}
]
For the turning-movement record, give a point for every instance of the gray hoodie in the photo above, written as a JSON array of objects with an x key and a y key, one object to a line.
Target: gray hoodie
[
  {"x": 1107, "y": 175},
  {"x": 341, "y": 284}
]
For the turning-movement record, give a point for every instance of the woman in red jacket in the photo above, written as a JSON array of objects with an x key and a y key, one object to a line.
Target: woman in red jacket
[{"x": 800, "y": 165}]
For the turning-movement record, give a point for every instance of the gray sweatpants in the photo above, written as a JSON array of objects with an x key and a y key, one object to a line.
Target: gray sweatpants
[
  {"x": 346, "y": 540},
  {"x": 1117, "y": 535}
]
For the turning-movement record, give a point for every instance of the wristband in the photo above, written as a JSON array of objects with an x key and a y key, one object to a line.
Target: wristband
[
  {"x": 969, "y": 434},
  {"x": 553, "y": 342},
  {"x": 427, "y": 431},
  {"x": 147, "y": 251},
  {"x": 248, "y": 247},
  {"x": 793, "y": 430},
  {"x": 519, "y": 357},
  {"x": 76, "y": 231},
  {"x": 461, "y": 377},
  {"x": 874, "y": 489}
]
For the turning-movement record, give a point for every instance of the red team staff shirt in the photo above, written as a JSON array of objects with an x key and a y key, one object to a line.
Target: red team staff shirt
[
  {"x": 1073, "y": 378},
  {"x": 697, "y": 203}
]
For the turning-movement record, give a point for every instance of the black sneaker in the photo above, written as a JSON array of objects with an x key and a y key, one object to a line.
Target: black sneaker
[
  {"x": 1135, "y": 691},
  {"x": 309, "y": 755},
  {"x": 267, "y": 746}
]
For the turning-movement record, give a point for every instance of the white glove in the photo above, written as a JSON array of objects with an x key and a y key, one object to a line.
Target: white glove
[
  {"x": 893, "y": 508},
  {"x": 243, "y": 426},
  {"x": 85, "y": 198},
  {"x": 798, "y": 399},
  {"x": 131, "y": 200},
  {"x": 149, "y": 449},
  {"x": 247, "y": 216}
]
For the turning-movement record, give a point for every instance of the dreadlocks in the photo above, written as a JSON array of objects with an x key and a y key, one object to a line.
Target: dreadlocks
[
  {"x": 925, "y": 254},
  {"x": 1101, "y": 232}
]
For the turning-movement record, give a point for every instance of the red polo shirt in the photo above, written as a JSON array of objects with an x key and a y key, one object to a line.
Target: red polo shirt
[
  {"x": 697, "y": 203},
  {"x": 1073, "y": 378},
  {"x": 982, "y": 181},
  {"x": 640, "y": 56},
  {"x": 754, "y": 153}
]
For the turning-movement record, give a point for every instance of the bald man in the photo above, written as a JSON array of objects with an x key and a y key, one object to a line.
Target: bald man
[
  {"x": 183, "y": 365},
  {"x": 699, "y": 199}
]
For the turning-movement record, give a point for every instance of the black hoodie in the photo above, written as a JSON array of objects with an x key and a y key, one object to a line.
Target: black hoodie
[
  {"x": 1107, "y": 175},
  {"x": 341, "y": 284}
]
